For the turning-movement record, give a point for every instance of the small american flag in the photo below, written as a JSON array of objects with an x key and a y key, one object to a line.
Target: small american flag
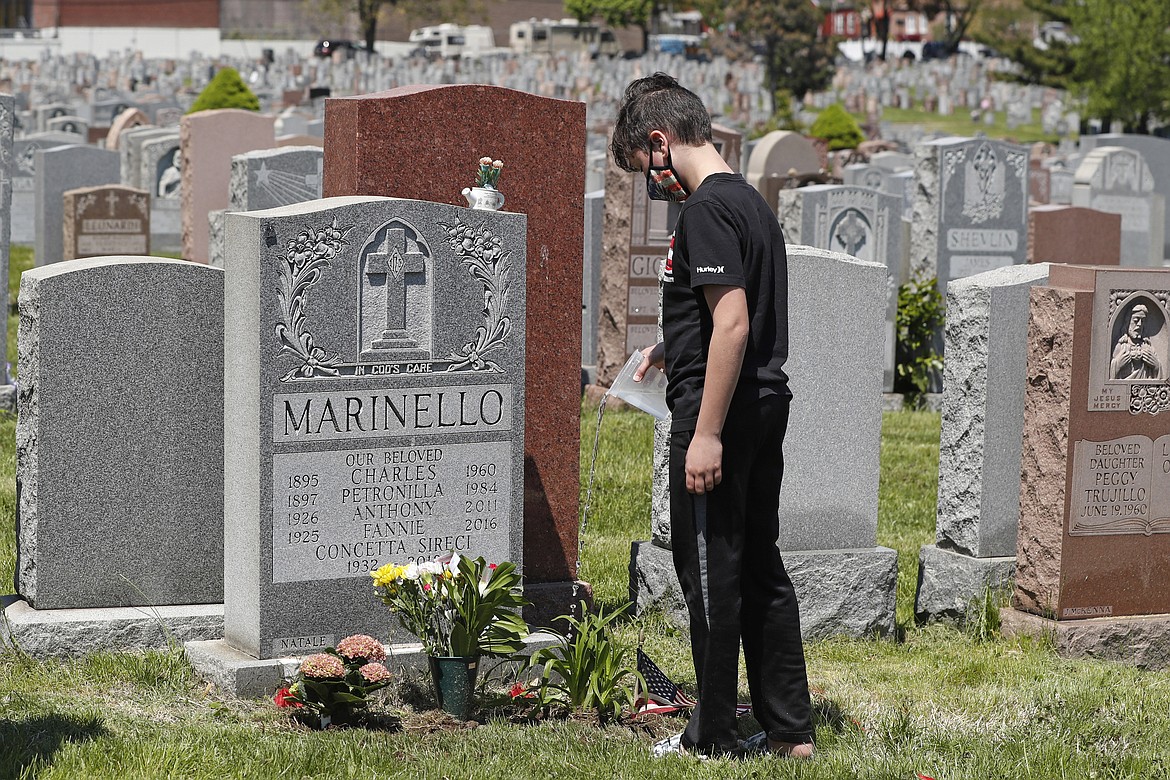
[{"x": 663, "y": 695}]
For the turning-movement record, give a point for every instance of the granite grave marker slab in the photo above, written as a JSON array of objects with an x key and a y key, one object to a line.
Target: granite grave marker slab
[
  {"x": 844, "y": 581},
  {"x": 780, "y": 152},
  {"x": 856, "y": 221},
  {"x": 24, "y": 180},
  {"x": 106, "y": 220},
  {"x": 1118, "y": 180},
  {"x": 374, "y": 407},
  {"x": 1094, "y": 533},
  {"x": 524, "y": 131},
  {"x": 120, "y": 459},
  {"x": 970, "y": 210},
  {"x": 1074, "y": 235},
  {"x": 58, "y": 170},
  {"x": 980, "y": 440},
  {"x": 209, "y": 140},
  {"x": 7, "y": 166},
  {"x": 1155, "y": 150}
]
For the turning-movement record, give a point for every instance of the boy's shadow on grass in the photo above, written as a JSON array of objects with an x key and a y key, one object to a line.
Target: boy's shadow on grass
[{"x": 37, "y": 739}]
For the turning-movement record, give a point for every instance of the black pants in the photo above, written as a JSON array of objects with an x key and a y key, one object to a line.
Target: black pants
[{"x": 735, "y": 585}]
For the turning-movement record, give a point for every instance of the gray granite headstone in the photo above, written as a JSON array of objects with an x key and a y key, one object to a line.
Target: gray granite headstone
[
  {"x": 160, "y": 172},
  {"x": 857, "y": 221},
  {"x": 24, "y": 181},
  {"x": 7, "y": 163},
  {"x": 862, "y": 175},
  {"x": 591, "y": 281},
  {"x": 1118, "y": 181},
  {"x": 69, "y": 124},
  {"x": 130, "y": 151},
  {"x": 270, "y": 178},
  {"x": 58, "y": 170},
  {"x": 119, "y": 437},
  {"x": 374, "y": 407},
  {"x": 845, "y": 583},
  {"x": 980, "y": 441},
  {"x": 971, "y": 208},
  {"x": 1156, "y": 151}
]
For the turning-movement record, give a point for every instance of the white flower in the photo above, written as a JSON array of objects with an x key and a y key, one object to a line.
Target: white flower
[
  {"x": 412, "y": 572},
  {"x": 434, "y": 568}
]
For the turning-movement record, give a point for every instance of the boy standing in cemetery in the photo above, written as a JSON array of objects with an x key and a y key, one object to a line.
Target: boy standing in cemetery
[{"x": 725, "y": 331}]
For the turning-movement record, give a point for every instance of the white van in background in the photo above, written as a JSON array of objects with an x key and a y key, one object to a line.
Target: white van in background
[{"x": 454, "y": 40}]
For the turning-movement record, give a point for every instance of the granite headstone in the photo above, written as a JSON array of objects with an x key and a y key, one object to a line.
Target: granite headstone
[
  {"x": 1118, "y": 180},
  {"x": 120, "y": 459},
  {"x": 58, "y": 170},
  {"x": 106, "y": 220},
  {"x": 374, "y": 407}
]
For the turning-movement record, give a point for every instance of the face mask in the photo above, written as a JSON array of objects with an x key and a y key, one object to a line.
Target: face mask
[{"x": 663, "y": 184}]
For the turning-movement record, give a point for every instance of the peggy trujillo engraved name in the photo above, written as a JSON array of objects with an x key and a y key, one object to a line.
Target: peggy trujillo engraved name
[{"x": 389, "y": 413}]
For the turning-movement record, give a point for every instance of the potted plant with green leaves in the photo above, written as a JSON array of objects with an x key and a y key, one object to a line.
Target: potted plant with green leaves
[
  {"x": 335, "y": 685},
  {"x": 461, "y": 609}
]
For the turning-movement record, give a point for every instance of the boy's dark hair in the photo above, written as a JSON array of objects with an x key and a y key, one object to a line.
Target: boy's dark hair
[{"x": 657, "y": 102}]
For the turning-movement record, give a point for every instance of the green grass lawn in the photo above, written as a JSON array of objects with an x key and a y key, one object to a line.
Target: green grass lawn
[
  {"x": 959, "y": 123},
  {"x": 938, "y": 702}
]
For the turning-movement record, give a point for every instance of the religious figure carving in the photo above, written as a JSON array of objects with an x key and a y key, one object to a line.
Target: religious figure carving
[{"x": 1133, "y": 355}]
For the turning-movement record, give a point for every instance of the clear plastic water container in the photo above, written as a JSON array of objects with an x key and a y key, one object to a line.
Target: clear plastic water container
[{"x": 649, "y": 395}]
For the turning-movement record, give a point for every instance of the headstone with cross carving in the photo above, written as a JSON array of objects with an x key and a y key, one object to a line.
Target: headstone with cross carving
[
  {"x": 57, "y": 171},
  {"x": 856, "y": 221},
  {"x": 374, "y": 408},
  {"x": 109, "y": 220},
  {"x": 970, "y": 210}
]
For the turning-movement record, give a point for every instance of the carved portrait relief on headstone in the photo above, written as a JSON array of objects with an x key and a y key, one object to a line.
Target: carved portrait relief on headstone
[
  {"x": 1122, "y": 485},
  {"x": 1130, "y": 360},
  {"x": 169, "y": 175}
]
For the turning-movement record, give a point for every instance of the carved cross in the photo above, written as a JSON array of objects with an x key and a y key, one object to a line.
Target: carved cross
[
  {"x": 851, "y": 234},
  {"x": 394, "y": 262},
  {"x": 112, "y": 201}
]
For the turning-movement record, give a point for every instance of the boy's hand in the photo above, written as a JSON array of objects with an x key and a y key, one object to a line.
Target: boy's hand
[
  {"x": 651, "y": 356},
  {"x": 704, "y": 465}
]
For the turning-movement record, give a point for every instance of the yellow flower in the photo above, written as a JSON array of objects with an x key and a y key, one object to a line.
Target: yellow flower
[{"x": 386, "y": 575}]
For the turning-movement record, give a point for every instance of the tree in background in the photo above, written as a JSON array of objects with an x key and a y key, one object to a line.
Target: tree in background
[
  {"x": 617, "y": 13},
  {"x": 838, "y": 127},
  {"x": 1011, "y": 29},
  {"x": 1122, "y": 54},
  {"x": 796, "y": 59},
  {"x": 369, "y": 11},
  {"x": 958, "y": 15},
  {"x": 1114, "y": 55},
  {"x": 225, "y": 90}
]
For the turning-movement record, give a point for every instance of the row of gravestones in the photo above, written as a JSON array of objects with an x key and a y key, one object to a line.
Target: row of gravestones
[
  {"x": 956, "y": 208},
  {"x": 354, "y": 391},
  {"x": 1054, "y": 462}
]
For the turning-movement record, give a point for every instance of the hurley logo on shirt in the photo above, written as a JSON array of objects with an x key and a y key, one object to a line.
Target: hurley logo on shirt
[
  {"x": 710, "y": 269},
  {"x": 668, "y": 268}
]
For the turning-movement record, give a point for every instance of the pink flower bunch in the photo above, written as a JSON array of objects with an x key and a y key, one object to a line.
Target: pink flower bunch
[
  {"x": 322, "y": 666},
  {"x": 374, "y": 673},
  {"x": 361, "y": 646}
]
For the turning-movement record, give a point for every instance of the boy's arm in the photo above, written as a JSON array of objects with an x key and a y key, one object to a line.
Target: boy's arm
[{"x": 729, "y": 336}]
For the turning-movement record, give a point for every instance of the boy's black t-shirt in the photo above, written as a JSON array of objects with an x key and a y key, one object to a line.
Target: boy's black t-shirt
[{"x": 725, "y": 235}]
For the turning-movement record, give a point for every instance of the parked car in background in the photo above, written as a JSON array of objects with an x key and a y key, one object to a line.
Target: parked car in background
[{"x": 327, "y": 47}]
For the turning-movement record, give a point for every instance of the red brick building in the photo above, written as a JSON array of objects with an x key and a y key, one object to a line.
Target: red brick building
[{"x": 125, "y": 13}]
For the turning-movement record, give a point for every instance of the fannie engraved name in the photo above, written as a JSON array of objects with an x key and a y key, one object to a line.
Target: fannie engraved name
[{"x": 389, "y": 413}]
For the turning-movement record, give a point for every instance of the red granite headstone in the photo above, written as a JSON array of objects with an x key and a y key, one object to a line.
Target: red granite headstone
[
  {"x": 424, "y": 142},
  {"x": 1073, "y": 235},
  {"x": 1094, "y": 534}
]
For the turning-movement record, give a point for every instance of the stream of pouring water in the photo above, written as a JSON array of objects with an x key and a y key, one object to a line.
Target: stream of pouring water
[{"x": 588, "y": 500}]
